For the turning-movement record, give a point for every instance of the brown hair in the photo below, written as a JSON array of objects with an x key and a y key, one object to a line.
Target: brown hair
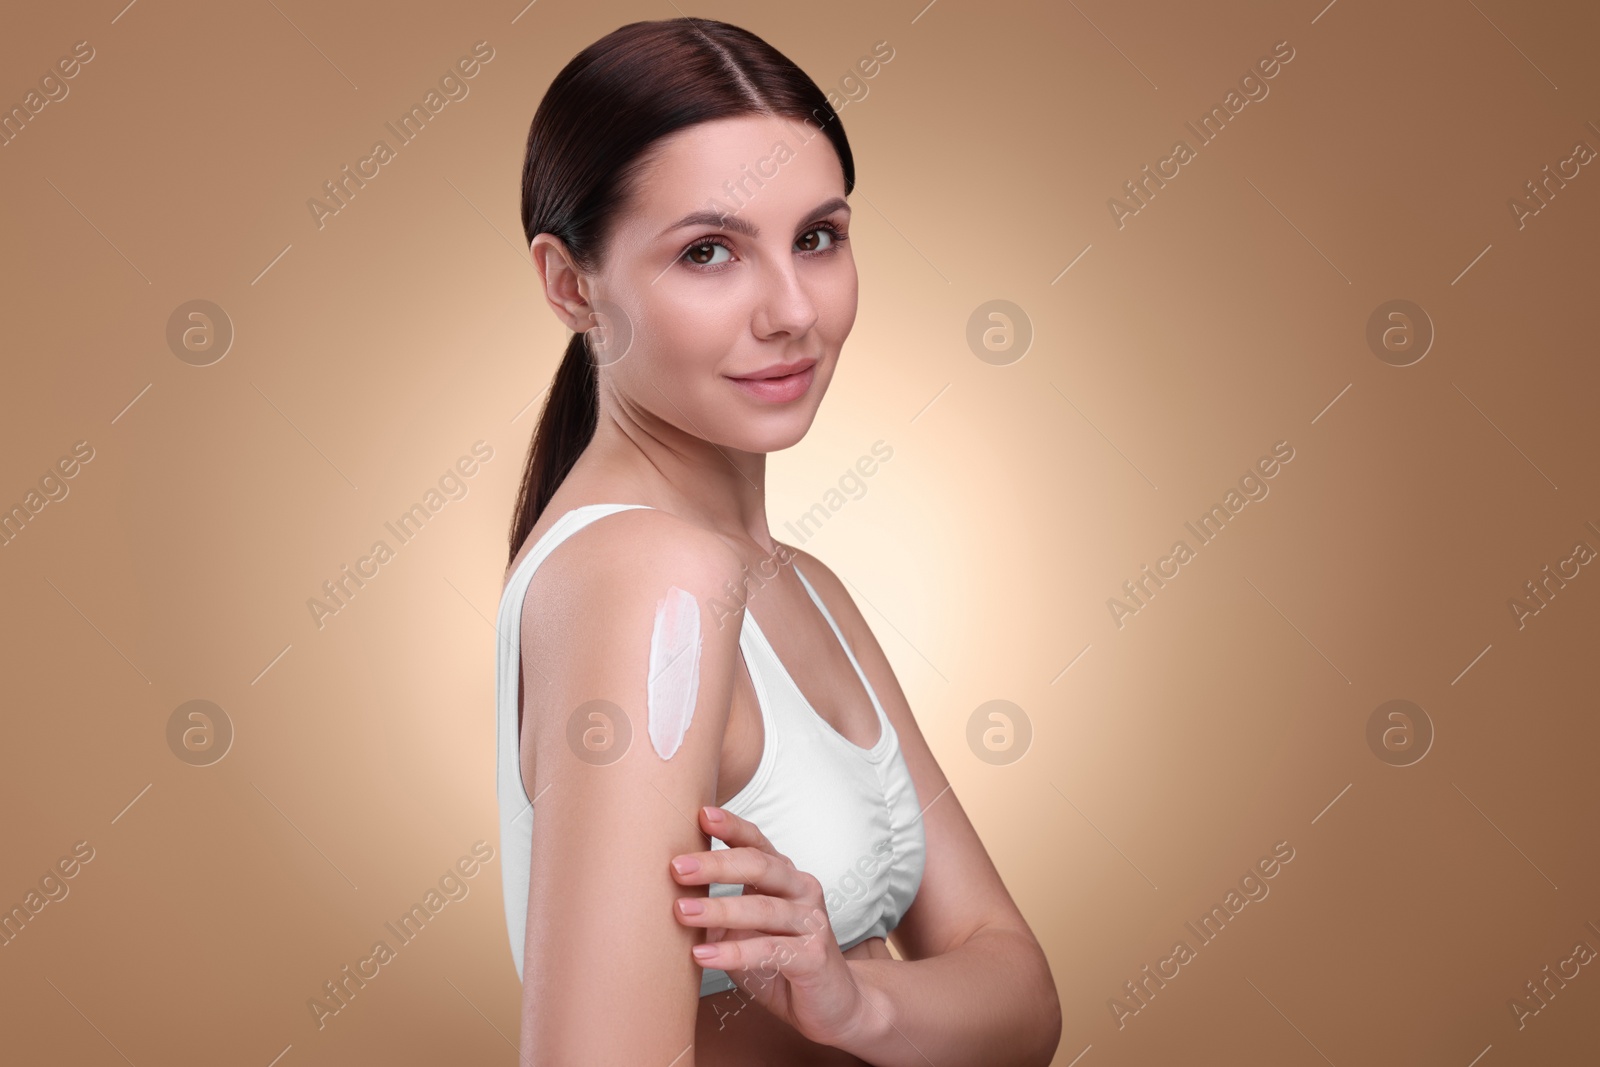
[{"x": 590, "y": 137}]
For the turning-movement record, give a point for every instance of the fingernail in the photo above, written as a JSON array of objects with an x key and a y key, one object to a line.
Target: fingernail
[
  {"x": 704, "y": 952},
  {"x": 686, "y": 865},
  {"x": 713, "y": 814},
  {"x": 691, "y": 905}
]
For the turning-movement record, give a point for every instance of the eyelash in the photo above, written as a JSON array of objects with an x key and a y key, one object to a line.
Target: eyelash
[{"x": 838, "y": 237}]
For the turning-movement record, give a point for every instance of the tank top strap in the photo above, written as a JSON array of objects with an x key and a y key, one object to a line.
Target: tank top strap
[
  {"x": 826, "y": 614},
  {"x": 564, "y": 527}
]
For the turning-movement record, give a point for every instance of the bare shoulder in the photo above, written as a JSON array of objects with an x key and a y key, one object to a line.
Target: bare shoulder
[
  {"x": 611, "y": 554},
  {"x": 592, "y": 607},
  {"x": 829, "y": 586}
]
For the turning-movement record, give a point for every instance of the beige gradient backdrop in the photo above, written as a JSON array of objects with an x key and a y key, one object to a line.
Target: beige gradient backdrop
[{"x": 1166, "y": 756}]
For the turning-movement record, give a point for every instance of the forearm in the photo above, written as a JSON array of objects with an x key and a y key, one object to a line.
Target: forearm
[{"x": 991, "y": 1002}]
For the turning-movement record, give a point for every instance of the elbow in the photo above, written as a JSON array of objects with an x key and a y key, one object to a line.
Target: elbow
[
  {"x": 1033, "y": 1019},
  {"x": 1045, "y": 1033},
  {"x": 1048, "y": 1032},
  {"x": 1036, "y": 1023}
]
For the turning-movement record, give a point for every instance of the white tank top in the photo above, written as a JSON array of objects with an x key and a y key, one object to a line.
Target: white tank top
[{"x": 847, "y": 815}]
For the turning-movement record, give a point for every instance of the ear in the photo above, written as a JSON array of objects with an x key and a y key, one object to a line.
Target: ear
[{"x": 566, "y": 288}]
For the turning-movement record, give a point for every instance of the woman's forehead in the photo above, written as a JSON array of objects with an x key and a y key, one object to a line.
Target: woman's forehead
[{"x": 761, "y": 167}]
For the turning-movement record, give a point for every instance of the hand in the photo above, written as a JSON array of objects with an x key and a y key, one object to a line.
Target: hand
[{"x": 774, "y": 939}]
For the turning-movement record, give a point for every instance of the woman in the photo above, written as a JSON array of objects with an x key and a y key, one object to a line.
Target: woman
[{"x": 722, "y": 756}]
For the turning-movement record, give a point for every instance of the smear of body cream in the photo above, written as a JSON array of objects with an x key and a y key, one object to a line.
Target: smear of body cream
[{"x": 674, "y": 680}]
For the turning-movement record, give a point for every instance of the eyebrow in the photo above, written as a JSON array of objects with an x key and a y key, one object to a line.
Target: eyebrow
[{"x": 730, "y": 221}]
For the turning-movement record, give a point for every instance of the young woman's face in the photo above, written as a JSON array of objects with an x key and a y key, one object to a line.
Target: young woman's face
[{"x": 731, "y": 262}]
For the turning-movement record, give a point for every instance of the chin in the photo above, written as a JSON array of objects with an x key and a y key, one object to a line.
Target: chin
[{"x": 774, "y": 433}]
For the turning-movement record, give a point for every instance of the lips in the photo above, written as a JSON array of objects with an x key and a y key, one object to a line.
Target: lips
[
  {"x": 777, "y": 370},
  {"x": 777, "y": 388}
]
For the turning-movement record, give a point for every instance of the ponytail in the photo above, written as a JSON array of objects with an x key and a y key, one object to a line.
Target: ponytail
[{"x": 566, "y": 426}]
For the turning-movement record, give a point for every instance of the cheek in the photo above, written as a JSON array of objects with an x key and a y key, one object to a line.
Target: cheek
[
  {"x": 838, "y": 285},
  {"x": 682, "y": 341},
  {"x": 837, "y": 307},
  {"x": 688, "y": 319},
  {"x": 692, "y": 332}
]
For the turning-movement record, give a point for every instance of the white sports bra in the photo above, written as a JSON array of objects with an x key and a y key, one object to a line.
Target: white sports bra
[{"x": 847, "y": 815}]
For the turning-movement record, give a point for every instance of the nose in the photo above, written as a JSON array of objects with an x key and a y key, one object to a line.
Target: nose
[{"x": 783, "y": 306}]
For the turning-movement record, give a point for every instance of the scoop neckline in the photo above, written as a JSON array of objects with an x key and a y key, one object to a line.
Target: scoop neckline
[{"x": 873, "y": 752}]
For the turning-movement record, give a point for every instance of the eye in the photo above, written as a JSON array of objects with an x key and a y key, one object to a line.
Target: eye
[
  {"x": 821, "y": 231},
  {"x": 702, "y": 253}
]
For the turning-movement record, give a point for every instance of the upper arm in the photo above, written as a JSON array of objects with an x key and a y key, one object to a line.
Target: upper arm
[
  {"x": 601, "y": 933},
  {"x": 961, "y": 892}
]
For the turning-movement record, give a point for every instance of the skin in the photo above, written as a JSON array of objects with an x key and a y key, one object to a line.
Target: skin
[{"x": 609, "y": 975}]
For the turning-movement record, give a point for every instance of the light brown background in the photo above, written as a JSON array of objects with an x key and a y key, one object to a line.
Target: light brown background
[{"x": 1227, "y": 315}]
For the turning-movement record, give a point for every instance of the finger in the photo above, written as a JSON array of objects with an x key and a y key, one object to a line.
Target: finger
[
  {"x": 733, "y": 830},
  {"x": 761, "y": 871},
  {"x": 763, "y": 956},
  {"x": 751, "y": 912}
]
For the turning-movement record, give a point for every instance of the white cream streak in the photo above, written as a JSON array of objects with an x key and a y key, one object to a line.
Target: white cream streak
[{"x": 674, "y": 680}]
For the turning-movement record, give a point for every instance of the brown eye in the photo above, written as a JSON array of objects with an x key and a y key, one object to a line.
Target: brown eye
[
  {"x": 806, "y": 243},
  {"x": 701, "y": 254}
]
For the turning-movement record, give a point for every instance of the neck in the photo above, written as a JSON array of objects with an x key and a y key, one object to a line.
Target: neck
[{"x": 658, "y": 464}]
